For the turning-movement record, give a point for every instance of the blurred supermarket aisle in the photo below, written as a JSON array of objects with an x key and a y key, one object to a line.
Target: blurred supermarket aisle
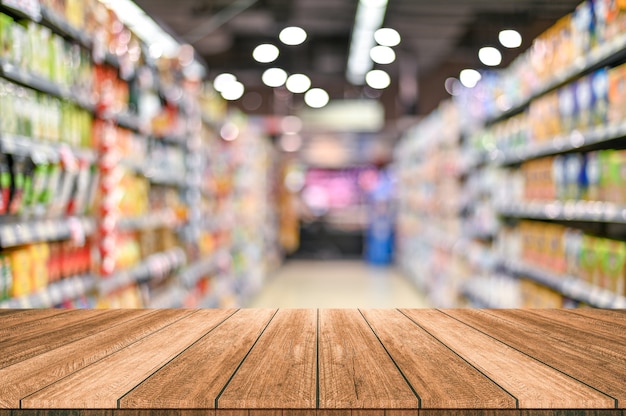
[{"x": 338, "y": 284}]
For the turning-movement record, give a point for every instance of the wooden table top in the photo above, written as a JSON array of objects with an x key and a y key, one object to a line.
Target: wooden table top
[{"x": 308, "y": 362}]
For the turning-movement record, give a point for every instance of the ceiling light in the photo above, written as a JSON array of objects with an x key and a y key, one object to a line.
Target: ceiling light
[
  {"x": 292, "y": 35},
  {"x": 298, "y": 83},
  {"x": 452, "y": 86},
  {"x": 382, "y": 55},
  {"x": 374, "y": 3},
  {"x": 316, "y": 98},
  {"x": 387, "y": 36},
  {"x": 510, "y": 38},
  {"x": 221, "y": 82},
  {"x": 377, "y": 79},
  {"x": 274, "y": 77},
  {"x": 369, "y": 17},
  {"x": 233, "y": 91},
  {"x": 470, "y": 77},
  {"x": 229, "y": 131},
  {"x": 265, "y": 53},
  {"x": 490, "y": 56}
]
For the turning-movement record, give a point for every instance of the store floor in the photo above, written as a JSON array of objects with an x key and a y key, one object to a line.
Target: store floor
[{"x": 337, "y": 284}]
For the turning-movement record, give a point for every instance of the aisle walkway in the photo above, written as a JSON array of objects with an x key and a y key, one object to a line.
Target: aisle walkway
[{"x": 337, "y": 284}]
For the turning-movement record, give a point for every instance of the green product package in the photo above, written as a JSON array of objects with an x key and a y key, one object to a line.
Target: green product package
[
  {"x": 6, "y": 40},
  {"x": 614, "y": 263},
  {"x": 588, "y": 258}
]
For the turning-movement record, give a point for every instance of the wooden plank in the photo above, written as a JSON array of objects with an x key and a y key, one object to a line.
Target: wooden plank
[
  {"x": 23, "y": 316},
  {"x": 47, "y": 334},
  {"x": 578, "y": 412},
  {"x": 613, "y": 331},
  {"x": 100, "y": 385},
  {"x": 440, "y": 377},
  {"x": 534, "y": 384},
  {"x": 196, "y": 377},
  {"x": 566, "y": 355},
  {"x": 28, "y": 376},
  {"x": 231, "y": 412},
  {"x": 279, "y": 372},
  {"x": 468, "y": 412},
  {"x": 355, "y": 371},
  {"x": 64, "y": 412},
  {"x": 265, "y": 412},
  {"x": 404, "y": 412},
  {"x": 299, "y": 412},
  {"x": 163, "y": 412},
  {"x": 41, "y": 323},
  {"x": 597, "y": 342},
  {"x": 611, "y": 315}
]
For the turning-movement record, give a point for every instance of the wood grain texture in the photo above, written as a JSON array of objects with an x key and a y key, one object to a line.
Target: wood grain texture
[
  {"x": 231, "y": 412},
  {"x": 609, "y": 315},
  {"x": 212, "y": 360},
  {"x": 26, "y": 341},
  {"x": 468, "y": 412},
  {"x": 63, "y": 412},
  {"x": 440, "y": 377},
  {"x": 22, "y": 316},
  {"x": 401, "y": 412},
  {"x": 598, "y": 342},
  {"x": 279, "y": 371},
  {"x": 100, "y": 385},
  {"x": 532, "y": 383},
  {"x": 28, "y": 376},
  {"x": 565, "y": 355},
  {"x": 355, "y": 371},
  {"x": 578, "y": 412},
  {"x": 163, "y": 412},
  {"x": 613, "y": 330}
]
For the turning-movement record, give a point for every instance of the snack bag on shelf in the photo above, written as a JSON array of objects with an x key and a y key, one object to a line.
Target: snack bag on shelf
[{"x": 592, "y": 174}]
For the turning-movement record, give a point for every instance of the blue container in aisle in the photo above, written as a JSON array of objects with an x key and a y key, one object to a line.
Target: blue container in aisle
[{"x": 379, "y": 238}]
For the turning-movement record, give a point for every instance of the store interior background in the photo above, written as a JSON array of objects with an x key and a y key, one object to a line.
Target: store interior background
[{"x": 432, "y": 190}]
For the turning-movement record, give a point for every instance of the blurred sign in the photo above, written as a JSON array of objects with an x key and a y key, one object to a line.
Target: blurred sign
[{"x": 345, "y": 116}]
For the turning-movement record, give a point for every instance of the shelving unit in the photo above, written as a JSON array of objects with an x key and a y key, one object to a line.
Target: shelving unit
[
  {"x": 143, "y": 248},
  {"x": 541, "y": 219}
]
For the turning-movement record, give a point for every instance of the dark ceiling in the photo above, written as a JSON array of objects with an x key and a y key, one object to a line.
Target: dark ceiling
[{"x": 439, "y": 38}]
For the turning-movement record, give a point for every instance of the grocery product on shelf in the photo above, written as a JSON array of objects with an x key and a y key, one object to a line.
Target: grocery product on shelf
[
  {"x": 544, "y": 138},
  {"x": 98, "y": 171}
]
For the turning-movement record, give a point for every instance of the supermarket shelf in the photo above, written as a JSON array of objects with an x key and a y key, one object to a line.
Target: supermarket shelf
[
  {"x": 25, "y": 146},
  {"x": 153, "y": 267},
  {"x": 166, "y": 178},
  {"x": 61, "y": 27},
  {"x": 477, "y": 296},
  {"x": 569, "y": 286},
  {"x": 54, "y": 294},
  {"x": 36, "y": 82},
  {"x": 33, "y": 231},
  {"x": 157, "y": 219},
  {"x": 588, "y": 211},
  {"x": 599, "y": 57},
  {"x": 172, "y": 298},
  {"x": 194, "y": 272},
  {"x": 561, "y": 144},
  {"x": 128, "y": 120},
  {"x": 20, "y": 9}
]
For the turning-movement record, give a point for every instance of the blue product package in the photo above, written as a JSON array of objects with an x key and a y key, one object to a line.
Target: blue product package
[{"x": 600, "y": 97}]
